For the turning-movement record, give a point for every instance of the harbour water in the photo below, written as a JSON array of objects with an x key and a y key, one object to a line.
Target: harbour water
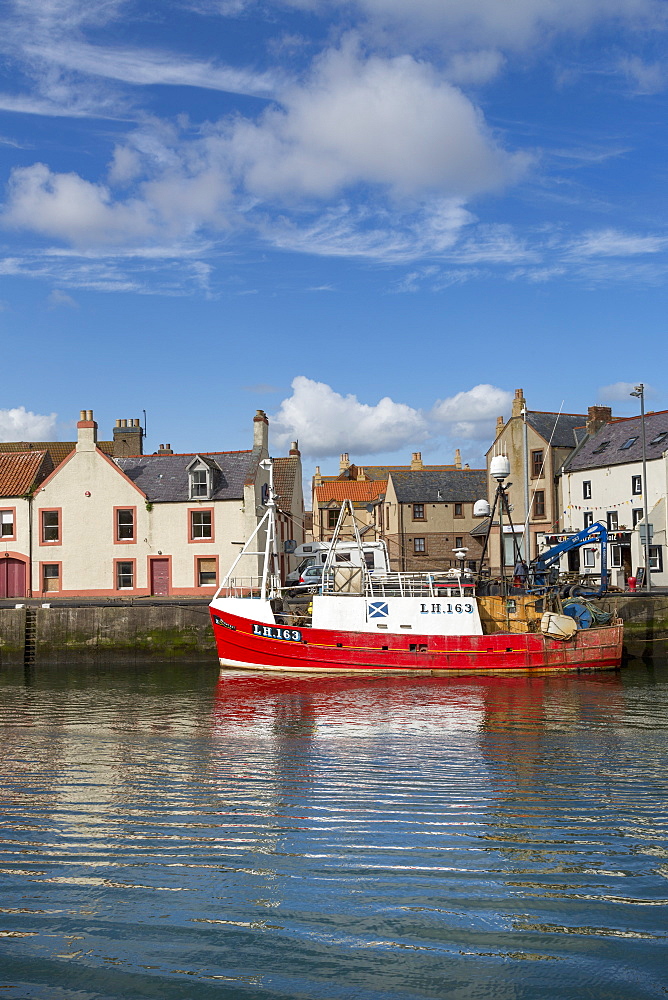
[{"x": 168, "y": 835}]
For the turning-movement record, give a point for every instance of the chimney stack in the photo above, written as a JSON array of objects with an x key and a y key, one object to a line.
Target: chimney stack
[
  {"x": 86, "y": 431},
  {"x": 499, "y": 425},
  {"x": 344, "y": 462},
  {"x": 416, "y": 461},
  {"x": 518, "y": 403},
  {"x": 128, "y": 438},
  {"x": 597, "y": 417},
  {"x": 165, "y": 449},
  {"x": 458, "y": 458},
  {"x": 294, "y": 449},
  {"x": 261, "y": 432}
]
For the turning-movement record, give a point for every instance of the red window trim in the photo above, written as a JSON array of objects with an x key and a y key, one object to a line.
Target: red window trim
[
  {"x": 201, "y": 510},
  {"x": 50, "y": 510},
  {"x": 125, "y": 590},
  {"x": 50, "y": 562},
  {"x": 125, "y": 541},
  {"x": 206, "y": 586},
  {"x": 9, "y": 538}
]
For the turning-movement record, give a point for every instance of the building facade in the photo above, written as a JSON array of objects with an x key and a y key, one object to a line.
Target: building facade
[
  {"x": 365, "y": 487},
  {"x": 428, "y": 519},
  {"x": 139, "y": 525},
  {"x": 603, "y": 481},
  {"x": 537, "y": 444}
]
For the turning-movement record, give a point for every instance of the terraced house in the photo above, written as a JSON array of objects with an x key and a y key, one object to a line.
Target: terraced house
[{"x": 136, "y": 525}]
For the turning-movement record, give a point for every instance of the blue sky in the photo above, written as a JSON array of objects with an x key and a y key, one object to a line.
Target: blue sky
[{"x": 373, "y": 219}]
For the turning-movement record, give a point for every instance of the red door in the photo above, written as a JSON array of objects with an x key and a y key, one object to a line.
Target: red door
[
  {"x": 160, "y": 577},
  {"x": 12, "y": 578}
]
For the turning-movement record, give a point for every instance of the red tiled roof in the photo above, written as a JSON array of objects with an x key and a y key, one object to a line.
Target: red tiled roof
[
  {"x": 285, "y": 470},
  {"x": 58, "y": 450},
  {"x": 21, "y": 470},
  {"x": 360, "y": 491}
]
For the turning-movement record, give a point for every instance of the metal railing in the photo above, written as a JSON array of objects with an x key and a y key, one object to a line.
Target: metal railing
[{"x": 248, "y": 586}]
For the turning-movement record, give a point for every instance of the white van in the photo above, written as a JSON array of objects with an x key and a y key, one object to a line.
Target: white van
[{"x": 315, "y": 554}]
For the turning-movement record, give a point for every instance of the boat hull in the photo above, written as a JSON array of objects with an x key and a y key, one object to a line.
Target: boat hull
[{"x": 252, "y": 645}]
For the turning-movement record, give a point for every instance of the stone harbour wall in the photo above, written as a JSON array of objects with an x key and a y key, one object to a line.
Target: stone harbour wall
[{"x": 66, "y": 634}]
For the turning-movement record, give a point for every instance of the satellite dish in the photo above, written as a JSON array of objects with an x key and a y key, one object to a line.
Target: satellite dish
[
  {"x": 369, "y": 507},
  {"x": 481, "y": 508}
]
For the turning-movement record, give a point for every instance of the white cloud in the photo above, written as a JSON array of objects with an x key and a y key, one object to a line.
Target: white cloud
[
  {"x": 516, "y": 25},
  {"x": 612, "y": 243},
  {"x": 621, "y": 392},
  {"x": 646, "y": 78},
  {"x": 60, "y": 298},
  {"x": 143, "y": 68},
  {"x": 474, "y": 67},
  {"x": 379, "y": 121},
  {"x": 68, "y": 207},
  {"x": 327, "y": 423},
  {"x": 472, "y": 414},
  {"x": 19, "y": 424}
]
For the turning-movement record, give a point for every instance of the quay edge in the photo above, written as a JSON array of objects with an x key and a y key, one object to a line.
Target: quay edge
[{"x": 179, "y": 630}]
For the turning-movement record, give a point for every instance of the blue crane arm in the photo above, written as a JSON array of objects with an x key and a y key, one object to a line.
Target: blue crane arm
[{"x": 596, "y": 532}]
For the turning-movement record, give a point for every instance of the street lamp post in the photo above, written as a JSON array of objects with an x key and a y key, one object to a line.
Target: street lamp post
[{"x": 639, "y": 392}]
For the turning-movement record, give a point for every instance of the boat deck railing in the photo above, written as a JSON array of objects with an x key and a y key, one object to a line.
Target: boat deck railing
[
  {"x": 419, "y": 585},
  {"x": 431, "y": 585},
  {"x": 248, "y": 586}
]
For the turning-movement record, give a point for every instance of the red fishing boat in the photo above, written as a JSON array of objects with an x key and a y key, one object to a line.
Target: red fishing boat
[{"x": 403, "y": 623}]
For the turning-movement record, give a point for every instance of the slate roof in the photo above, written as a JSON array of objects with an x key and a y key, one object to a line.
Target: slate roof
[
  {"x": 164, "y": 478},
  {"x": 462, "y": 485},
  {"x": 20, "y": 471},
  {"x": 568, "y": 428},
  {"x": 595, "y": 454},
  {"x": 58, "y": 450},
  {"x": 378, "y": 472}
]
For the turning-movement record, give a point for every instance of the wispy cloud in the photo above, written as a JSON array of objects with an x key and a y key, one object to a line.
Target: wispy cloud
[{"x": 612, "y": 243}]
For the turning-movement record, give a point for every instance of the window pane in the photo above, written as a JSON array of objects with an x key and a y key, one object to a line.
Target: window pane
[
  {"x": 459, "y": 542},
  {"x": 201, "y": 524},
  {"x": 7, "y": 522},
  {"x": 539, "y": 503},
  {"x": 124, "y": 576},
  {"x": 198, "y": 483},
  {"x": 206, "y": 572},
  {"x": 125, "y": 525},
  {"x": 50, "y": 577},
  {"x": 332, "y": 518},
  {"x": 50, "y": 525},
  {"x": 536, "y": 463},
  {"x": 459, "y": 510},
  {"x": 418, "y": 545},
  {"x": 636, "y": 485},
  {"x": 586, "y": 490},
  {"x": 418, "y": 511}
]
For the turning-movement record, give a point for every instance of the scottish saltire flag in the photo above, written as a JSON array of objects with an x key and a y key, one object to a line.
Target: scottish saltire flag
[{"x": 378, "y": 609}]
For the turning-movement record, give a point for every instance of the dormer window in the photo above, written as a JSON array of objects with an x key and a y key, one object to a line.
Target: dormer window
[{"x": 200, "y": 480}]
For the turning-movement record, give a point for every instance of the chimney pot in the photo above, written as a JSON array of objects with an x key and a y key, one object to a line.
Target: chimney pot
[
  {"x": 518, "y": 403},
  {"x": 82, "y": 414},
  {"x": 118, "y": 423}
]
